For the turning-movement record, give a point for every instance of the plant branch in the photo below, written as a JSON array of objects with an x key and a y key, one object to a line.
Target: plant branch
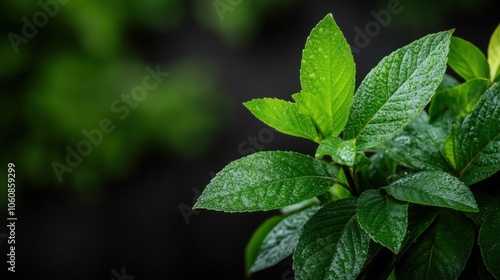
[{"x": 344, "y": 185}]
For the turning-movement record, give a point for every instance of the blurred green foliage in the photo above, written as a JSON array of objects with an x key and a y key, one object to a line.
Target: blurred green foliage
[
  {"x": 430, "y": 13},
  {"x": 65, "y": 78},
  {"x": 239, "y": 21}
]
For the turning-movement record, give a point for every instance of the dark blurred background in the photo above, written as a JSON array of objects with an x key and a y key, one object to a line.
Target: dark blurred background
[{"x": 67, "y": 66}]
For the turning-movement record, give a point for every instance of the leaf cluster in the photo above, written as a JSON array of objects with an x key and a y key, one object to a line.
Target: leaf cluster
[{"x": 390, "y": 179}]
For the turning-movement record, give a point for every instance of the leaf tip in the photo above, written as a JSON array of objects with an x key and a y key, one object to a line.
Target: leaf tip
[{"x": 199, "y": 205}]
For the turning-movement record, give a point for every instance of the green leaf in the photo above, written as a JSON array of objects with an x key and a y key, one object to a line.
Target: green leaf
[
  {"x": 342, "y": 152},
  {"x": 266, "y": 181},
  {"x": 479, "y": 139},
  {"x": 396, "y": 90},
  {"x": 299, "y": 206},
  {"x": 283, "y": 116},
  {"x": 460, "y": 100},
  {"x": 419, "y": 219},
  {"x": 487, "y": 204},
  {"x": 384, "y": 218},
  {"x": 253, "y": 247},
  {"x": 494, "y": 54},
  {"x": 488, "y": 242},
  {"x": 331, "y": 245},
  {"x": 467, "y": 60},
  {"x": 440, "y": 253},
  {"x": 418, "y": 145},
  {"x": 280, "y": 242},
  {"x": 327, "y": 76},
  {"x": 434, "y": 188}
]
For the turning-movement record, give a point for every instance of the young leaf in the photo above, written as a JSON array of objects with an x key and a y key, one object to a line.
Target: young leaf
[
  {"x": 338, "y": 191},
  {"x": 494, "y": 54},
  {"x": 467, "y": 60},
  {"x": 280, "y": 242},
  {"x": 384, "y": 218},
  {"x": 434, "y": 188},
  {"x": 253, "y": 247},
  {"x": 396, "y": 90},
  {"x": 487, "y": 204},
  {"x": 441, "y": 253},
  {"x": 488, "y": 242},
  {"x": 460, "y": 100},
  {"x": 266, "y": 181},
  {"x": 418, "y": 145},
  {"x": 327, "y": 76},
  {"x": 331, "y": 244},
  {"x": 283, "y": 116},
  {"x": 342, "y": 152},
  {"x": 479, "y": 139}
]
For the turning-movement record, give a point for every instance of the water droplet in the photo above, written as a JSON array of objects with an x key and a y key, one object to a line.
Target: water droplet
[
  {"x": 312, "y": 75},
  {"x": 321, "y": 30},
  {"x": 475, "y": 139}
]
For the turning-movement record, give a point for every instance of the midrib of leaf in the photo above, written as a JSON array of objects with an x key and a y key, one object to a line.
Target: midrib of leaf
[
  {"x": 281, "y": 180},
  {"x": 397, "y": 91},
  {"x": 429, "y": 192},
  {"x": 430, "y": 260}
]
